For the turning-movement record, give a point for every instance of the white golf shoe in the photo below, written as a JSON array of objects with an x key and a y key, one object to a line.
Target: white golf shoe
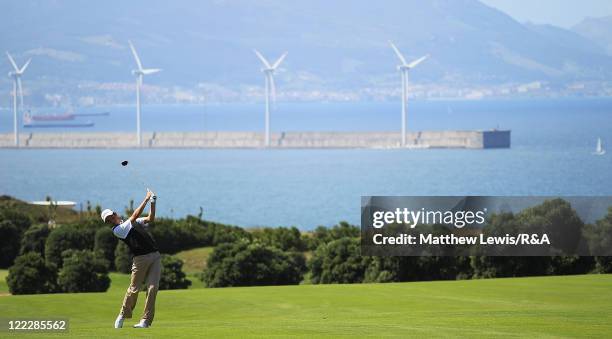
[
  {"x": 119, "y": 322},
  {"x": 141, "y": 324}
]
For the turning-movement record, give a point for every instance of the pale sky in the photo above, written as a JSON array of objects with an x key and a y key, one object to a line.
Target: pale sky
[{"x": 564, "y": 13}]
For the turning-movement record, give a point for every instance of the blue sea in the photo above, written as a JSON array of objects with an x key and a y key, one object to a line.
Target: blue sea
[{"x": 551, "y": 154}]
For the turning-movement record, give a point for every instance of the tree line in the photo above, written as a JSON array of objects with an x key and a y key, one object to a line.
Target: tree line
[{"x": 77, "y": 256}]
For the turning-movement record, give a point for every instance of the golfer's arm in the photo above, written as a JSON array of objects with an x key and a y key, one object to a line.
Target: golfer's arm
[
  {"x": 151, "y": 216},
  {"x": 138, "y": 210}
]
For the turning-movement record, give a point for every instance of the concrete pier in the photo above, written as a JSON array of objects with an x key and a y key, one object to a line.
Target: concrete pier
[{"x": 421, "y": 139}]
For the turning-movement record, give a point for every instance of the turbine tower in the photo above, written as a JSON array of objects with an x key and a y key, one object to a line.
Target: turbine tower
[
  {"x": 268, "y": 71},
  {"x": 404, "y": 67},
  {"x": 139, "y": 73},
  {"x": 16, "y": 74}
]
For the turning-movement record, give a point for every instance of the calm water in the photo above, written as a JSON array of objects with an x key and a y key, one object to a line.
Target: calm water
[{"x": 552, "y": 142}]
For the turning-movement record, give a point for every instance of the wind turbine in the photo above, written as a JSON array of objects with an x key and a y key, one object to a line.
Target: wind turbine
[
  {"x": 139, "y": 73},
  {"x": 404, "y": 67},
  {"x": 16, "y": 74},
  {"x": 268, "y": 71}
]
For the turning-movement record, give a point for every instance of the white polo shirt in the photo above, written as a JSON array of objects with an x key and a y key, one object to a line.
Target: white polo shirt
[{"x": 121, "y": 231}]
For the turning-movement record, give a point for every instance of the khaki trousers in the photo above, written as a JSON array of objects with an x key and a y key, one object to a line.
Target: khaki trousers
[{"x": 145, "y": 269}]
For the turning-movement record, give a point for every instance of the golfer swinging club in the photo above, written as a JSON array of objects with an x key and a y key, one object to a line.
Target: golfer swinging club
[{"x": 146, "y": 265}]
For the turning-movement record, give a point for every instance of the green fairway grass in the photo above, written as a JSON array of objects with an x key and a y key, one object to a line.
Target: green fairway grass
[
  {"x": 527, "y": 307},
  {"x": 194, "y": 260}
]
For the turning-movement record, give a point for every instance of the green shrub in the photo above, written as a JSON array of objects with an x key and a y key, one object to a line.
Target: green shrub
[
  {"x": 83, "y": 271},
  {"x": 339, "y": 261},
  {"x": 557, "y": 219},
  {"x": 123, "y": 258},
  {"x": 31, "y": 275},
  {"x": 381, "y": 270},
  {"x": 172, "y": 276},
  {"x": 287, "y": 239},
  {"x": 10, "y": 237},
  {"x": 67, "y": 237},
  {"x": 34, "y": 239},
  {"x": 506, "y": 266},
  {"x": 512, "y": 266},
  {"x": 251, "y": 264},
  {"x": 323, "y": 235},
  {"x": 603, "y": 264},
  {"x": 105, "y": 243},
  {"x": 21, "y": 220},
  {"x": 571, "y": 264},
  {"x": 177, "y": 235},
  {"x": 599, "y": 236}
]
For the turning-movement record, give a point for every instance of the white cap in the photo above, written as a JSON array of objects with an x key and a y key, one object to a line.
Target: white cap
[{"x": 106, "y": 213}]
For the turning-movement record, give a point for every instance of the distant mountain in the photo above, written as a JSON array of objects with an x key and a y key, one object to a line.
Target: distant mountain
[
  {"x": 567, "y": 39},
  {"x": 332, "y": 44},
  {"x": 598, "y": 30}
]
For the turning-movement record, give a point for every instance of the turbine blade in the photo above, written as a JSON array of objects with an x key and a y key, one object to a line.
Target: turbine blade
[
  {"x": 418, "y": 61},
  {"x": 150, "y": 71},
  {"x": 280, "y": 60},
  {"x": 12, "y": 62},
  {"x": 135, "y": 56},
  {"x": 25, "y": 66},
  {"x": 263, "y": 60},
  {"x": 20, "y": 92},
  {"x": 398, "y": 53}
]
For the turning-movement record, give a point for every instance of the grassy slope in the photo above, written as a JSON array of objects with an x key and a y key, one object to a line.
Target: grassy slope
[
  {"x": 39, "y": 214},
  {"x": 194, "y": 260},
  {"x": 531, "y": 307}
]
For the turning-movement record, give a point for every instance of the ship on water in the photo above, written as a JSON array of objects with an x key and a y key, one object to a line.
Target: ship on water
[
  {"x": 68, "y": 115},
  {"x": 50, "y": 117},
  {"x": 49, "y": 121}
]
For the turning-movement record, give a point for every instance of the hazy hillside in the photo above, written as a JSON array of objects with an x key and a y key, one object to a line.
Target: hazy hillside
[
  {"x": 567, "y": 39},
  {"x": 598, "y": 30},
  {"x": 339, "y": 44}
]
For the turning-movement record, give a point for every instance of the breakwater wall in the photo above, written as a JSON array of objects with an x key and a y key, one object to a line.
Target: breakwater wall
[{"x": 421, "y": 139}]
